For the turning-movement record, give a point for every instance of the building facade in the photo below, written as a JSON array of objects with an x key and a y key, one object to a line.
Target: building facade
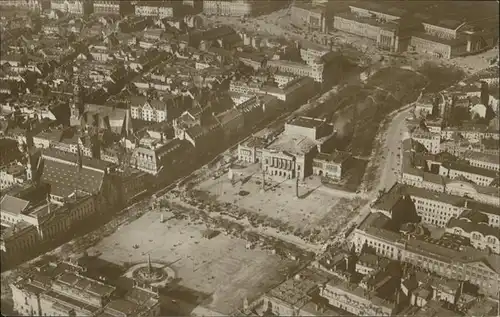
[
  {"x": 107, "y": 7},
  {"x": 444, "y": 261},
  {"x": 154, "y": 9},
  {"x": 331, "y": 165}
]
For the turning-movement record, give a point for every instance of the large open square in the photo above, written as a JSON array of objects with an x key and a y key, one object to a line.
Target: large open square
[
  {"x": 315, "y": 207},
  {"x": 221, "y": 266}
]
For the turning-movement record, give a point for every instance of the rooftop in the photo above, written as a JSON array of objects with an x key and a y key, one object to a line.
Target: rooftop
[
  {"x": 293, "y": 144},
  {"x": 482, "y": 157},
  {"x": 296, "y": 291},
  {"x": 121, "y": 306},
  {"x": 482, "y": 207},
  {"x": 471, "y": 169},
  {"x": 359, "y": 294},
  {"x": 72, "y": 159},
  {"x": 86, "y": 284},
  {"x": 374, "y": 219},
  {"x": 13, "y": 205},
  {"x": 65, "y": 178},
  {"x": 307, "y": 122},
  {"x": 68, "y": 301},
  {"x": 338, "y": 157},
  {"x": 257, "y": 142},
  {"x": 470, "y": 227}
]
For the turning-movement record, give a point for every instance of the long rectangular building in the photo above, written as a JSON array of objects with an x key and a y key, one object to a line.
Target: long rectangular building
[
  {"x": 461, "y": 263},
  {"x": 435, "y": 208}
]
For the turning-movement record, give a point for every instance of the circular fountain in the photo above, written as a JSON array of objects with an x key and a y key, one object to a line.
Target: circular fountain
[{"x": 153, "y": 274}]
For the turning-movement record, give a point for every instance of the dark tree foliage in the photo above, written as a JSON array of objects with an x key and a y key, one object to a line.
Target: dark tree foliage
[{"x": 440, "y": 77}]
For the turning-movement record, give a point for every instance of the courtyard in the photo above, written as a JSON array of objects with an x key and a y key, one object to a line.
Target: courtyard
[{"x": 221, "y": 266}]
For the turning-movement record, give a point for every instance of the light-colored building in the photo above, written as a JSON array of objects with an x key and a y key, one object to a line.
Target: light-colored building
[
  {"x": 310, "y": 16},
  {"x": 478, "y": 175},
  {"x": 431, "y": 141},
  {"x": 157, "y": 110},
  {"x": 107, "y": 7},
  {"x": 296, "y": 90},
  {"x": 483, "y": 160},
  {"x": 27, "y": 4},
  {"x": 67, "y": 6},
  {"x": 472, "y": 133},
  {"x": 460, "y": 263},
  {"x": 160, "y": 9},
  {"x": 331, "y": 165},
  {"x": 11, "y": 175},
  {"x": 236, "y": 8},
  {"x": 433, "y": 208},
  {"x": 484, "y": 194},
  {"x": 474, "y": 226},
  {"x": 152, "y": 155},
  {"x": 30, "y": 224},
  {"x": 383, "y": 28},
  {"x": 148, "y": 110},
  {"x": 250, "y": 151},
  {"x": 314, "y": 71},
  {"x": 291, "y": 154},
  {"x": 355, "y": 300},
  {"x": 282, "y": 78},
  {"x": 63, "y": 289},
  {"x": 294, "y": 296}
]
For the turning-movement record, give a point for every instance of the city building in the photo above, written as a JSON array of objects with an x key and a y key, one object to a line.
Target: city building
[
  {"x": 310, "y": 16},
  {"x": 250, "y": 151},
  {"x": 484, "y": 194},
  {"x": 443, "y": 258},
  {"x": 474, "y": 226},
  {"x": 158, "y": 9},
  {"x": 294, "y": 297},
  {"x": 431, "y": 141},
  {"x": 155, "y": 110},
  {"x": 152, "y": 155},
  {"x": 356, "y": 300},
  {"x": 385, "y": 27},
  {"x": 27, "y": 4},
  {"x": 331, "y": 165},
  {"x": 68, "y": 6},
  {"x": 30, "y": 224},
  {"x": 293, "y": 92},
  {"x": 64, "y": 289},
  {"x": 314, "y": 71},
  {"x": 11, "y": 175},
  {"x": 291, "y": 154},
  {"x": 107, "y": 7},
  {"x": 483, "y": 160},
  {"x": 478, "y": 175},
  {"x": 397, "y": 28},
  {"x": 432, "y": 207},
  {"x": 237, "y": 8},
  {"x": 422, "y": 288},
  {"x": 473, "y": 133},
  {"x": 81, "y": 174}
]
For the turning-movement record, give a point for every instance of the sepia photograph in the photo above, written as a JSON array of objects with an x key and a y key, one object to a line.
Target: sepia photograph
[{"x": 253, "y": 158}]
